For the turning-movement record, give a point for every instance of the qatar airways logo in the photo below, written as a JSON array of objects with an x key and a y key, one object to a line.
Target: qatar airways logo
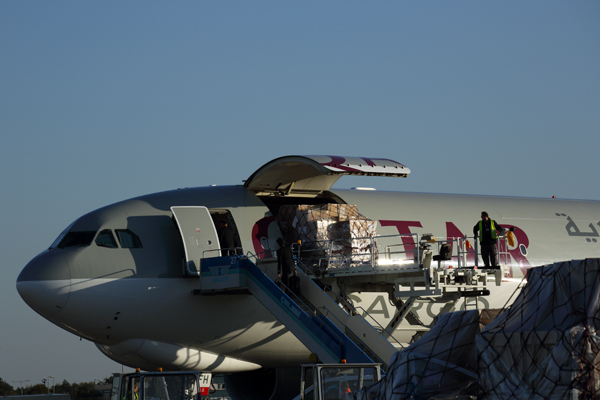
[{"x": 261, "y": 240}]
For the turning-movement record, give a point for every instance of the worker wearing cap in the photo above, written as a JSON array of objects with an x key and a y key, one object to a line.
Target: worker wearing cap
[{"x": 488, "y": 234}]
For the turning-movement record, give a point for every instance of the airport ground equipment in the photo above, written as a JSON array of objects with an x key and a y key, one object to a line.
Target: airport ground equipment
[
  {"x": 184, "y": 385},
  {"x": 317, "y": 330},
  {"x": 333, "y": 381},
  {"x": 407, "y": 269},
  {"x": 544, "y": 346},
  {"x": 55, "y": 396},
  {"x": 323, "y": 317}
]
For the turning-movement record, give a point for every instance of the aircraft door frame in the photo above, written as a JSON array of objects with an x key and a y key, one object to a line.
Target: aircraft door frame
[{"x": 198, "y": 234}]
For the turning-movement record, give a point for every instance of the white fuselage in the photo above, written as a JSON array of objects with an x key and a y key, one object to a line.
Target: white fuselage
[{"x": 137, "y": 303}]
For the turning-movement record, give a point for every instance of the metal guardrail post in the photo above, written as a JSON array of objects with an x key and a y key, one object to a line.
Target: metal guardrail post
[
  {"x": 372, "y": 252},
  {"x": 417, "y": 249},
  {"x": 505, "y": 254},
  {"x": 476, "y": 247},
  {"x": 460, "y": 253}
]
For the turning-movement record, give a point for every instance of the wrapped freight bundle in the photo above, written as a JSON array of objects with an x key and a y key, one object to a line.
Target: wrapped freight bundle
[{"x": 335, "y": 234}]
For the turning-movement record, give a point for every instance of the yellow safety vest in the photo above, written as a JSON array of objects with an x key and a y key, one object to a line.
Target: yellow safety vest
[
  {"x": 492, "y": 227},
  {"x": 136, "y": 395}
]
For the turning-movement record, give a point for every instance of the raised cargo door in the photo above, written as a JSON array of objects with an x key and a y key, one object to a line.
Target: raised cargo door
[
  {"x": 305, "y": 175},
  {"x": 198, "y": 234}
]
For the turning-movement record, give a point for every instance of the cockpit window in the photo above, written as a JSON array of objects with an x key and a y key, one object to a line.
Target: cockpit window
[
  {"x": 73, "y": 239},
  {"x": 128, "y": 239},
  {"x": 56, "y": 242},
  {"x": 60, "y": 237},
  {"x": 106, "y": 239}
]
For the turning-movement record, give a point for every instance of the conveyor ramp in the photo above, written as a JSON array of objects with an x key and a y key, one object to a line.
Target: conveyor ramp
[{"x": 322, "y": 326}]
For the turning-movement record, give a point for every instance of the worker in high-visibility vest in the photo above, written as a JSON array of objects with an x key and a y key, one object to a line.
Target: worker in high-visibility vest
[
  {"x": 134, "y": 396},
  {"x": 488, "y": 234}
]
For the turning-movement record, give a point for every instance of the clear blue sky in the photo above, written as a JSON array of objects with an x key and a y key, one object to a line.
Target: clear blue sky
[{"x": 103, "y": 101}]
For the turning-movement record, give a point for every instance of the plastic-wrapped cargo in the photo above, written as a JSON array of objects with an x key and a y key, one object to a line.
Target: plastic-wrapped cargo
[
  {"x": 336, "y": 229},
  {"x": 547, "y": 345},
  {"x": 441, "y": 365}
]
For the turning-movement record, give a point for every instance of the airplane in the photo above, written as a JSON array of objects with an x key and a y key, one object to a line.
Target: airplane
[{"x": 123, "y": 276}]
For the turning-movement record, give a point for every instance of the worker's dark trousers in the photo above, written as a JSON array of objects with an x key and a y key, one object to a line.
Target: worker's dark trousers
[{"x": 489, "y": 252}]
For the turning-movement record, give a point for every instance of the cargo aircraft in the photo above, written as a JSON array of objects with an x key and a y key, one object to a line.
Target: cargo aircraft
[{"x": 123, "y": 276}]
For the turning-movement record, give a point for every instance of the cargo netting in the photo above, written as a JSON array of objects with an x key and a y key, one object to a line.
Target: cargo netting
[
  {"x": 544, "y": 346},
  {"x": 337, "y": 233}
]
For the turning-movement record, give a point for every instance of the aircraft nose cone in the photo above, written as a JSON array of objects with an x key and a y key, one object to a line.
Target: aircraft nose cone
[{"x": 45, "y": 283}]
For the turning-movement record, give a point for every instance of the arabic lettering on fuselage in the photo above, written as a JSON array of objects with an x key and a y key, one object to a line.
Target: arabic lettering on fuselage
[{"x": 573, "y": 229}]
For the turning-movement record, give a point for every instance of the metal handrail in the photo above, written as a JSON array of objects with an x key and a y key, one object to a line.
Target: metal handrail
[
  {"x": 415, "y": 242},
  {"x": 297, "y": 299},
  {"x": 241, "y": 249},
  {"x": 459, "y": 250},
  {"x": 326, "y": 246},
  {"x": 504, "y": 256},
  {"x": 348, "y": 306},
  {"x": 324, "y": 311},
  {"x": 505, "y": 253}
]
